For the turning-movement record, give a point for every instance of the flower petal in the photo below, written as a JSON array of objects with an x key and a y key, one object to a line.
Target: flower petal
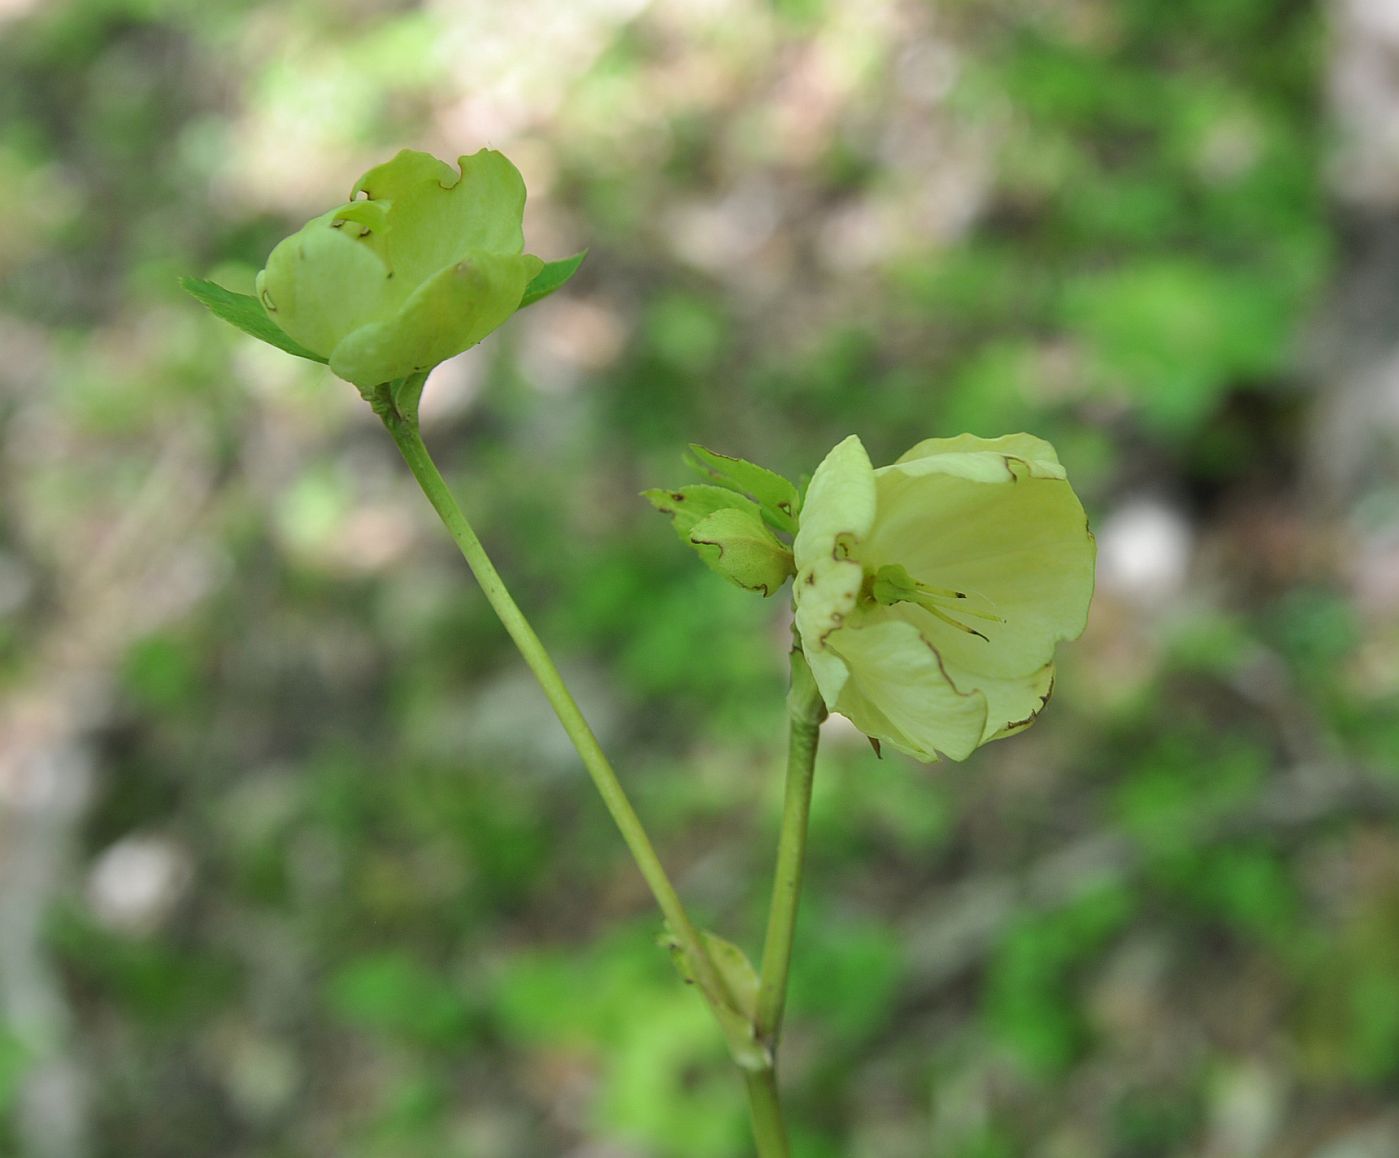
[
  {"x": 1017, "y": 547},
  {"x": 322, "y": 282},
  {"x": 438, "y": 216},
  {"x": 898, "y": 691},
  {"x": 836, "y": 514},
  {"x": 1012, "y": 702},
  {"x": 839, "y": 501},
  {"x": 1022, "y": 446},
  {"x": 827, "y": 669},
  {"x": 448, "y": 313},
  {"x": 1007, "y": 700}
]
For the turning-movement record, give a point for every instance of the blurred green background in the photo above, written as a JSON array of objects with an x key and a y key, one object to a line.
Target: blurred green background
[{"x": 294, "y": 862}]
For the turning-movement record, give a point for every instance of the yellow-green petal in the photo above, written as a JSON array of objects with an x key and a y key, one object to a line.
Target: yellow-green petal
[
  {"x": 438, "y": 215},
  {"x": 1022, "y": 446},
  {"x": 898, "y": 691},
  {"x": 449, "y": 313},
  {"x": 836, "y": 514},
  {"x": 827, "y": 669},
  {"x": 404, "y": 176},
  {"x": 839, "y": 503},
  {"x": 1013, "y": 705},
  {"x": 322, "y": 282},
  {"x": 1018, "y": 549}
]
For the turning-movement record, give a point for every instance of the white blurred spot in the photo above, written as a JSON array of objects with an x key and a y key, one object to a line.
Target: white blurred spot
[
  {"x": 719, "y": 235},
  {"x": 1374, "y": 572},
  {"x": 260, "y": 1074},
  {"x": 453, "y": 389},
  {"x": 927, "y": 71},
  {"x": 570, "y": 338},
  {"x": 1247, "y": 1105},
  {"x": 136, "y": 882},
  {"x": 1144, "y": 550},
  {"x": 14, "y": 9}
]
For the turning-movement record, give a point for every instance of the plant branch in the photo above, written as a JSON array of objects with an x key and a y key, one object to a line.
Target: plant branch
[
  {"x": 805, "y": 712},
  {"x": 402, "y": 425},
  {"x": 769, "y": 1132}
]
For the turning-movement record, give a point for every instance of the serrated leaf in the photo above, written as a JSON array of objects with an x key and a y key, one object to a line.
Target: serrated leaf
[
  {"x": 773, "y": 493},
  {"x": 738, "y": 545},
  {"x": 553, "y": 276},
  {"x": 687, "y": 506},
  {"x": 245, "y": 312}
]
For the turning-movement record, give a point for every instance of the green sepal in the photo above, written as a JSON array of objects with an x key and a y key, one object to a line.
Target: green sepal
[
  {"x": 776, "y": 496},
  {"x": 738, "y": 545},
  {"x": 245, "y": 312},
  {"x": 737, "y": 1008},
  {"x": 554, "y": 275}
]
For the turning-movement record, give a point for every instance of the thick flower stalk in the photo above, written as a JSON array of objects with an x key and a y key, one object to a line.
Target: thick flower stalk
[{"x": 930, "y": 593}]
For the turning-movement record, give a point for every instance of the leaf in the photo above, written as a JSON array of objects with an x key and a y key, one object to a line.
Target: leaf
[
  {"x": 777, "y": 497},
  {"x": 551, "y": 277},
  {"x": 247, "y": 314},
  {"x": 688, "y": 505},
  {"x": 738, "y": 545},
  {"x": 727, "y": 531}
]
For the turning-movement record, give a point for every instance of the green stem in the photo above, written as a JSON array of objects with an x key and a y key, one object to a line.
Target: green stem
[
  {"x": 766, "y": 1111},
  {"x": 402, "y": 424},
  {"x": 805, "y": 712}
]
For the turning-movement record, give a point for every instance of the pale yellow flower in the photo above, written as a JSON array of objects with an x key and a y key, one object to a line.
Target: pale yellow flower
[{"x": 930, "y": 594}]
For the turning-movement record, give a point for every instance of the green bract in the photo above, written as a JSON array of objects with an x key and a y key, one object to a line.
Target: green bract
[
  {"x": 422, "y": 263},
  {"x": 930, "y": 594}
]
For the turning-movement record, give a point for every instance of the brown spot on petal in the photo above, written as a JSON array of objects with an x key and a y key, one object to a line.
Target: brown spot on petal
[
  {"x": 837, "y": 621},
  {"x": 879, "y": 755}
]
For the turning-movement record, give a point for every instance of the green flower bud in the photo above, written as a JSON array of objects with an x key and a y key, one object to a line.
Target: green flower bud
[
  {"x": 423, "y": 265},
  {"x": 930, "y": 594},
  {"x": 727, "y": 531},
  {"x": 738, "y": 545}
]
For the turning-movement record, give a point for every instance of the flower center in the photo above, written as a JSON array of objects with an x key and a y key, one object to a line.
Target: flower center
[{"x": 893, "y": 584}]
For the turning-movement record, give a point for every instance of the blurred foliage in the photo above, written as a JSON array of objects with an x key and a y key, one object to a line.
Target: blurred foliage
[{"x": 382, "y": 914}]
